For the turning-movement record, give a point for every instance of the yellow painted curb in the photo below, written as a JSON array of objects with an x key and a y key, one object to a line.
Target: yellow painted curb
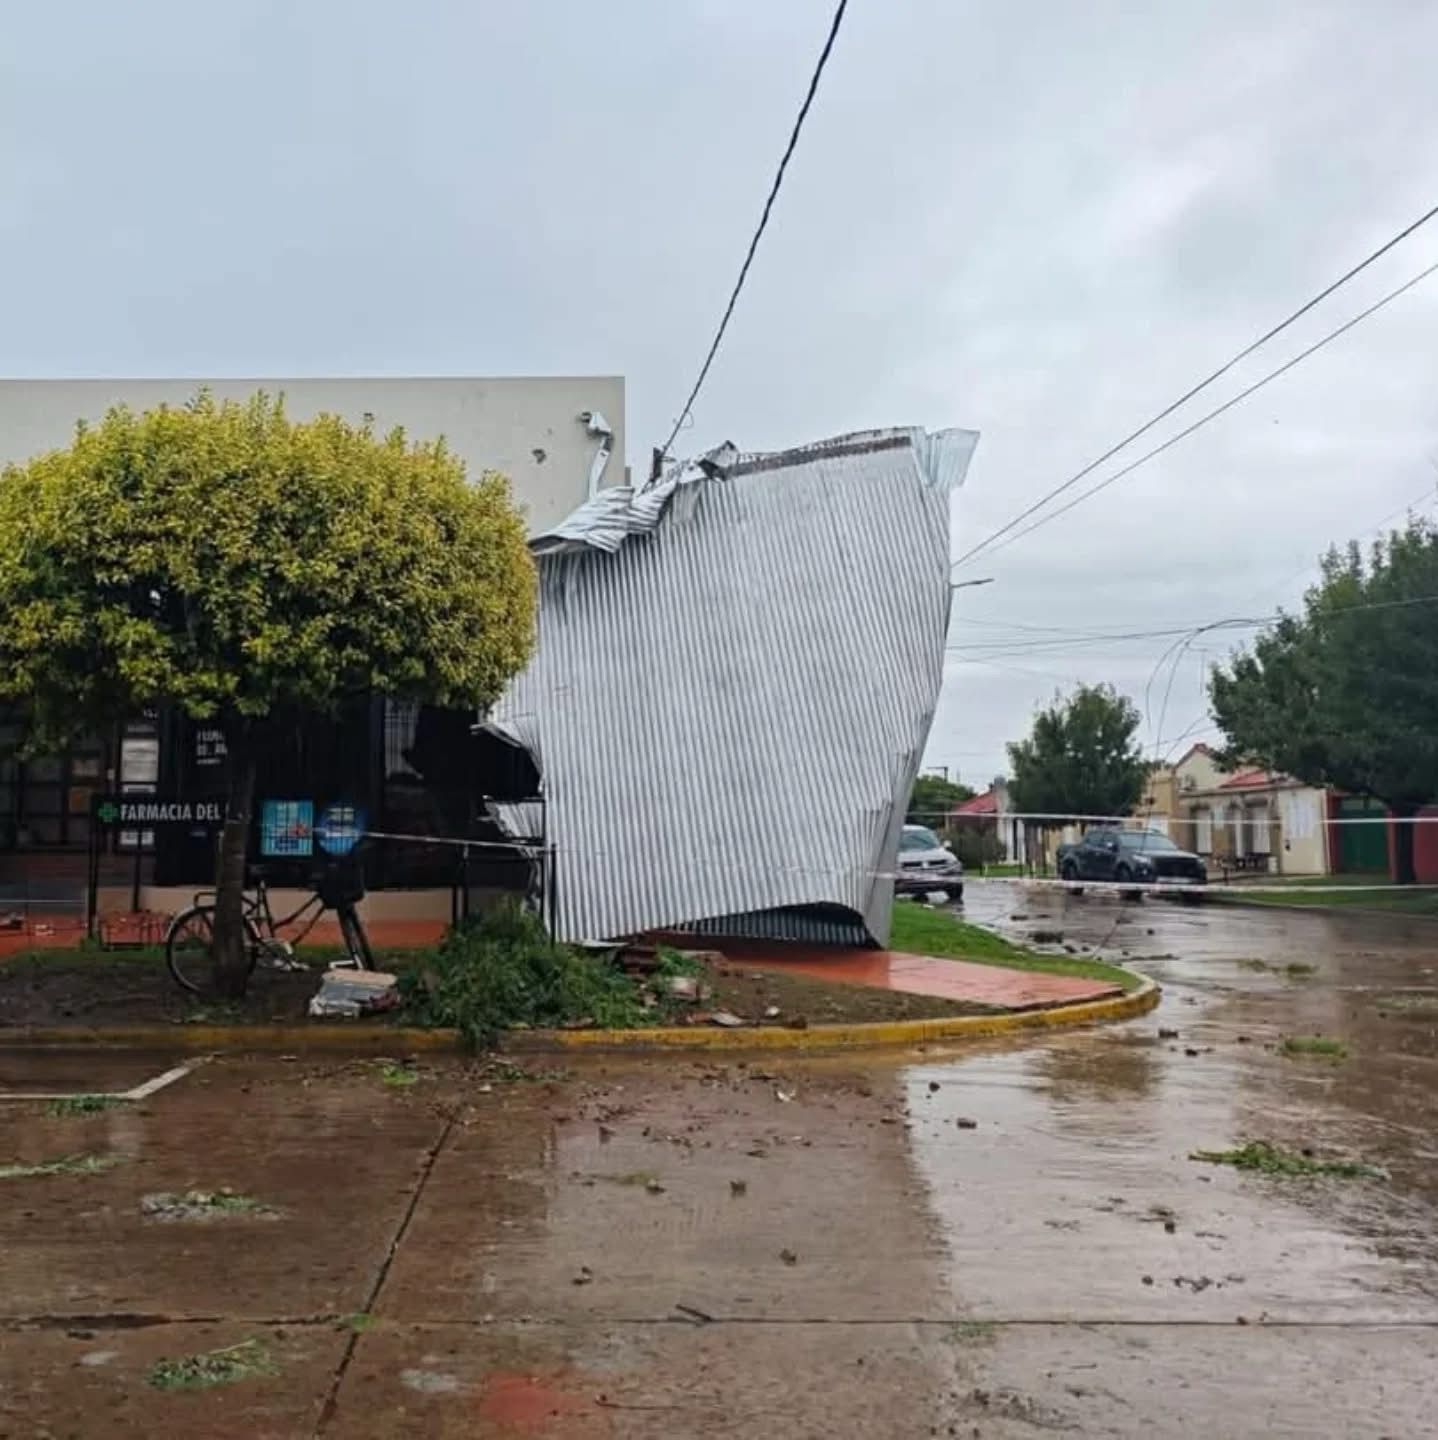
[
  {"x": 871, "y": 1034},
  {"x": 361, "y": 1039}
]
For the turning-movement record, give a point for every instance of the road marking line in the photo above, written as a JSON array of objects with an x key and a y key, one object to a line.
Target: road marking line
[{"x": 139, "y": 1092}]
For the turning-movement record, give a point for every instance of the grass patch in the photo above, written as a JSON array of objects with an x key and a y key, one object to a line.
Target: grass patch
[
  {"x": 398, "y": 1077},
  {"x": 83, "y": 1104},
  {"x": 1324, "y": 1045},
  {"x": 1262, "y": 1158},
  {"x": 359, "y": 1323},
  {"x": 246, "y": 1361},
  {"x": 1347, "y": 893},
  {"x": 1299, "y": 970},
  {"x": 922, "y": 931},
  {"x": 66, "y": 1165},
  {"x": 502, "y": 970}
]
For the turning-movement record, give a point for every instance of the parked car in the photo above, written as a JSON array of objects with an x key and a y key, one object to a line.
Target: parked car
[
  {"x": 926, "y": 864},
  {"x": 1144, "y": 857}
]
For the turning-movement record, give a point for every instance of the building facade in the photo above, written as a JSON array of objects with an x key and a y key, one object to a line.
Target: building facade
[{"x": 414, "y": 770}]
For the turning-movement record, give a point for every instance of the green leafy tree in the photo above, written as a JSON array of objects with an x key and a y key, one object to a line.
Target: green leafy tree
[
  {"x": 1346, "y": 694},
  {"x": 249, "y": 568},
  {"x": 932, "y": 797},
  {"x": 1081, "y": 757}
]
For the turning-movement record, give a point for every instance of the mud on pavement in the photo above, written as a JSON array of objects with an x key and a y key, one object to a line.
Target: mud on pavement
[{"x": 1008, "y": 1240}]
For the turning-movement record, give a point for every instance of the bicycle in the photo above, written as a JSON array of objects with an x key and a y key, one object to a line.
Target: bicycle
[{"x": 189, "y": 942}]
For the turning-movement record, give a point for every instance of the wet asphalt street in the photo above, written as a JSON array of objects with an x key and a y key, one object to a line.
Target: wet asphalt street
[{"x": 1007, "y": 1240}]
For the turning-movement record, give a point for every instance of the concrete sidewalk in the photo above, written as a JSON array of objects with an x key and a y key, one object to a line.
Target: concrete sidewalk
[
  {"x": 712, "y": 1251},
  {"x": 959, "y": 980}
]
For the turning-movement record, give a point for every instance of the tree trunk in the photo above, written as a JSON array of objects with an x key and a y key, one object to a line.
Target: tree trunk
[
  {"x": 231, "y": 958},
  {"x": 1403, "y": 871}
]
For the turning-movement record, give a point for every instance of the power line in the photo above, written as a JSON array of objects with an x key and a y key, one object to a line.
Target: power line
[
  {"x": 1202, "y": 385},
  {"x": 759, "y": 231},
  {"x": 1212, "y": 414}
]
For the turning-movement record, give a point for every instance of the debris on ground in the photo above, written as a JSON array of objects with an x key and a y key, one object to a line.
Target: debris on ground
[
  {"x": 247, "y": 1360},
  {"x": 654, "y": 1186},
  {"x": 1323, "y": 1046},
  {"x": 783, "y": 1096},
  {"x": 430, "y": 1382},
  {"x": 738, "y": 1187},
  {"x": 789, "y": 1257},
  {"x": 346, "y": 994},
  {"x": 205, "y": 1205},
  {"x": 1166, "y": 1034},
  {"x": 398, "y": 1077},
  {"x": 584, "y": 1275},
  {"x": 1266, "y": 1159},
  {"x": 964, "y": 1123},
  {"x": 1047, "y": 937},
  {"x": 700, "y": 1317},
  {"x": 771, "y": 1012},
  {"x": 66, "y": 1165},
  {"x": 84, "y": 1104},
  {"x": 727, "y": 1019}
]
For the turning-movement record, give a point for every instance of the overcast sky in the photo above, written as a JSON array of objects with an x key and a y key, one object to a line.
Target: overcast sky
[{"x": 1041, "y": 221}]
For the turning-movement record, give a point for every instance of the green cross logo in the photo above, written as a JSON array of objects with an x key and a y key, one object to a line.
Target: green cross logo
[{"x": 109, "y": 812}]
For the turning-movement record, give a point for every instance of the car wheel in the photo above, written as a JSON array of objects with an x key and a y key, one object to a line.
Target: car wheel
[
  {"x": 1124, "y": 876},
  {"x": 954, "y": 892},
  {"x": 1068, "y": 871}
]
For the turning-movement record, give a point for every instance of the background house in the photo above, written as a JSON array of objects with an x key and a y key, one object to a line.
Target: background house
[{"x": 1246, "y": 819}]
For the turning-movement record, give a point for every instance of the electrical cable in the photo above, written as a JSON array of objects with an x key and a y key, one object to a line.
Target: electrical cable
[
  {"x": 1212, "y": 414},
  {"x": 759, "y": 231},
  {"x": 1202, "y": 385}
]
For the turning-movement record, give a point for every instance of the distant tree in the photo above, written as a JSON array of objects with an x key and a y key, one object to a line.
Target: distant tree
[
  {"x": 1346, "y": 694},
  {"x": 933, "y": 797},
  {"x": 1081, "y": 757},
  {"x": 248, "y": 568}
]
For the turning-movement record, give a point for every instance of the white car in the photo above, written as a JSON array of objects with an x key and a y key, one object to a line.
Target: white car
[{"x": 926, "y": 864}]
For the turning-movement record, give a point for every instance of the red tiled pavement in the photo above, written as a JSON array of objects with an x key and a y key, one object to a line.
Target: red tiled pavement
[{"x": 921, "y": 975}]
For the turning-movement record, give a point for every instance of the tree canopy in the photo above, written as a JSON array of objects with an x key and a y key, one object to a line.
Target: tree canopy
[
  {"x": 1081, "y": 757},
  {"x": 1346, "y": 693},
  {"x": 933, "y": 796},
  {"x": 246, "y": 567}
]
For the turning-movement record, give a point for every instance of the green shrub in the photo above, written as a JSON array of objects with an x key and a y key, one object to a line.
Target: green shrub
[{"x": 502, "y": 969}]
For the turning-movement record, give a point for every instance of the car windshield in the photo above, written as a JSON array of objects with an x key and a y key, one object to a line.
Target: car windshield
[
  {"x": 916, "y": 837},
  {"x": 1147, "y": 840}
]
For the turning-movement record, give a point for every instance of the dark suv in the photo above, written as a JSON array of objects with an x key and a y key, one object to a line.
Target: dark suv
[{"x": 1122, "y": 857}]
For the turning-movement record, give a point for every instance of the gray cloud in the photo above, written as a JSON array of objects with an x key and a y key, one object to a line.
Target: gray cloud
[{"x": 1041, "y": 220}]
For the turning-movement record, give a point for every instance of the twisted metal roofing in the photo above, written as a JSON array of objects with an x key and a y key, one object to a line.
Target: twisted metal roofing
[{"x": 736, "y": 673}]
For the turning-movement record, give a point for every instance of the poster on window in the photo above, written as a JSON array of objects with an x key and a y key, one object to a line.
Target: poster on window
[{"x": 287, "y": 829}]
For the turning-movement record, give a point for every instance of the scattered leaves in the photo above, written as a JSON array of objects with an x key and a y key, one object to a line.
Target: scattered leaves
[
  {"x": 245, "y": 1361},
  {"x": 66, "y": 1165},
  {"x": 1266, "y": 1159},
  {"x": 83, "y": 1104},
  {"x": 1322, "y": 1045}
]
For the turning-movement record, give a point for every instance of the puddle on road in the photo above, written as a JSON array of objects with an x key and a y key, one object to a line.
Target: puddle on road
[{"x": 1055, "y": 1207}]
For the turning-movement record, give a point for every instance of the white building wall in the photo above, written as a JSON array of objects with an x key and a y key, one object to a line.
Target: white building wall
[{"x": 527, "y": 428}]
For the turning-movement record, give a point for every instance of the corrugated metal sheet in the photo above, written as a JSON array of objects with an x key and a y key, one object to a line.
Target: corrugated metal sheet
[{"x": 736, "y": 673}]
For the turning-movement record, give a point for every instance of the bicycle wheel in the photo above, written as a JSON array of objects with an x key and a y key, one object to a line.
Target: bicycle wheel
[{"x": 190, "y": 948}]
